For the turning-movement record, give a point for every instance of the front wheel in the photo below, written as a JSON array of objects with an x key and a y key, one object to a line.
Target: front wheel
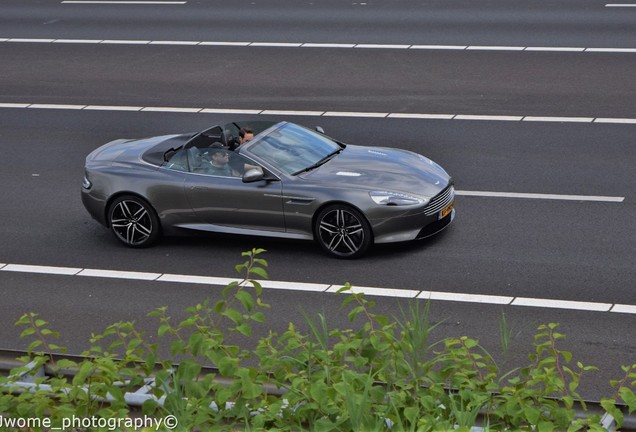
[
  {"x": 342, "y": 231},
  {"x": 133, "y": 221}
]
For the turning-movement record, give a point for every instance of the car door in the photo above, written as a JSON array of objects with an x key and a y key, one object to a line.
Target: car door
[{"x": 226, "y": 201}]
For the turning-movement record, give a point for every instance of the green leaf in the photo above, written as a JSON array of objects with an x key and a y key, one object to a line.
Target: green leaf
[
  {"x": 260, "y": 272},
  {"x": 246, "y": 299}
]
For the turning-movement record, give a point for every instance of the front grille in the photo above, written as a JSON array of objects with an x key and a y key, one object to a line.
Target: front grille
[{"x": 440, "y": 201}]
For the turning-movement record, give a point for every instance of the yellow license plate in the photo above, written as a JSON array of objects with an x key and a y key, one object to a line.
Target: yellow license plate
[{"x": 445, "y": 212}]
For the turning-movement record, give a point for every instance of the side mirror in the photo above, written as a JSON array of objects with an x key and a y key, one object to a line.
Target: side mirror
[
  {"x": 253, "y": 175},
  {"x": 320, "y": 130}
]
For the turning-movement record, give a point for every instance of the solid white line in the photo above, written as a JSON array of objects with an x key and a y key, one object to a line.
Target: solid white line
[
  {"x": 562, "y": 304},
  {"x": 620, "y": 5},
  {"x": 333, "y": 45},
  {"x": 612, "y": 199},
  {"x": 234, "y": 44},
  {"x": 439, "y": 47},
  {"x": 125, "y": 42},
  {"x": 557, "y": 49},
  {"x": 315, "y": 287},
  {"x": 78, "y": 41},
  {"x": 494, "y": 48},
  {"x": 615, "y": 120},
  {"x": 172, "y": 109},
  {"x": 294, "y": 286},
  {"x": 354, "y": 114},
  {"x": 60, "y": 106},
  {"x": 327, "y": 45},
  {"x": 293, "y": 113},
  {"x": 611, "y": 50},
  {"x": 465, "y": 298},
  {"x": 68, "y": 271},
  {"x": 113, "y": 108},
  {"x": 328, "y": 113},
  {"x": 382, "y": 46},
  {"x": 13, "y": 105},
  {"x": 229, "y": 111},
  {"x": 205, "y": 280},
  {"x": 621, "y": 308},
  {"x": 276, "y": 44},
  {"x": 559, "y": 119},
  {"x": 422, "y": 116},
  {"x": 123, "y": 2},
  {"x": 116, "y": 274},
  {"x": 372, "y": 291},
  {"x": 488, "y": 117},
  {"x": 175, "y": 42},
  {"x": 30, "y": 40}
]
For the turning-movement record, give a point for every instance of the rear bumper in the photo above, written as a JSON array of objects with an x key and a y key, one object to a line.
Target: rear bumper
[{"x": 94, "y": 206}]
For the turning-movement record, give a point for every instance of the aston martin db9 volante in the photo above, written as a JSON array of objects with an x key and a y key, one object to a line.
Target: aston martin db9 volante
[{"x": 288, "y": 181}]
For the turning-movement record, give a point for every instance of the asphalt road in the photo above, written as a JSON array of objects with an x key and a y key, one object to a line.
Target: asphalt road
[{"x": 552, "y": 249}]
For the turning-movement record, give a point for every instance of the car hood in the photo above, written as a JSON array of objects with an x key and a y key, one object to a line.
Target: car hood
[{"x": 385, "y": 169}]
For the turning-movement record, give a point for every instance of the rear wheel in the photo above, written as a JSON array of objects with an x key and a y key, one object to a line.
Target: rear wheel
[
  {"x": 342, "y": 231},
  {"x": 133, "y": 221}
]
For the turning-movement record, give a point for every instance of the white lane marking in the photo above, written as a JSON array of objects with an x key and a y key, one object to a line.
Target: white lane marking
[
  {"x": 592, "y": 198},
  {"x": 123, "y": 2},
  {"x": 615, "y": 120},
  {"x": 53, "y": 106},
  {"x": 465, "y": 298},
  {"x": 620, "y": 5},
  {"x": 326, "y": 288},
  {"x": 380, "y": 292},
  {"x": 354, "y": 114},
  {"x": 21, "y": 268},
  {"x": 422, "y": 116},
  {"x": 562, "y": 304},
  {"x": 622, "y": 308},
  {"x": 557, "y": 49},
  {"x": 112, "y": 108},
  {"x": 125, "y": 42},
  {"x": 488, "y": 117},
  {"x": 615, "y": 50},
  {"x": 469, "y": 117},
  {"x": 172, "y": 109},
  {"x": 117, "y": 274},
  {"x": 560, "y": 119},
  {"x": 327, "y": 45},
  {"x": 494, "y": 48},
  {"x": 205, "y": 280},
  {"x": 276, "y": 44},
  {"x": 293, "y": 286}
]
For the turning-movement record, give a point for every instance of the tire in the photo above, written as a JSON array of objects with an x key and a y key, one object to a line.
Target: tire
[
  {"x": 342, "y": 231},
  {"x": 133, "y": 221}
]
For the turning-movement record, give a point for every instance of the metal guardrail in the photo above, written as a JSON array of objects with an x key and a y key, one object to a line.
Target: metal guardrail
[{"x": 9, "y": 360}]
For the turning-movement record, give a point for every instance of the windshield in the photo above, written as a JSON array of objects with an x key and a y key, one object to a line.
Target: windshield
[{"x": 293, "y": 149}]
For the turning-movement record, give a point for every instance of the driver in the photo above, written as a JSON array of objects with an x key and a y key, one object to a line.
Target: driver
[{"x": 219, "y": 163}]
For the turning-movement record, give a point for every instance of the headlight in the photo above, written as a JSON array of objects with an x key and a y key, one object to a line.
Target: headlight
[
  {"x": 394, "y": 198},
  {"x": 86, "y": 184}
]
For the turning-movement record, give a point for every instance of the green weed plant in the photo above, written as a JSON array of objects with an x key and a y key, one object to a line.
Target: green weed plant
[{"x": 388, "y": 374}]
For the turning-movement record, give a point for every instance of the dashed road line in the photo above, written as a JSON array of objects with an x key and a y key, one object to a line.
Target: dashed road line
[
  {"x": 256, "y": 44},
  {"x": 330, "y": 288},
  {"x": 123, "y": 2},
  {"x": 317, "y": 113},
  {"x": 559, "y": 197}
]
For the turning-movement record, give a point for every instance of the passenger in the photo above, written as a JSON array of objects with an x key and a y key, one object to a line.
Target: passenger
[{"x": 245, "y": 134}]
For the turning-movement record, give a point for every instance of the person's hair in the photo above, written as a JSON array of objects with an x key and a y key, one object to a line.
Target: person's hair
[{"x": 245, "y": 130}]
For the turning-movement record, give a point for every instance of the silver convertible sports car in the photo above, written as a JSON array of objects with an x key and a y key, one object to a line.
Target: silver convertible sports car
[{"x": 288, "y": 181}]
